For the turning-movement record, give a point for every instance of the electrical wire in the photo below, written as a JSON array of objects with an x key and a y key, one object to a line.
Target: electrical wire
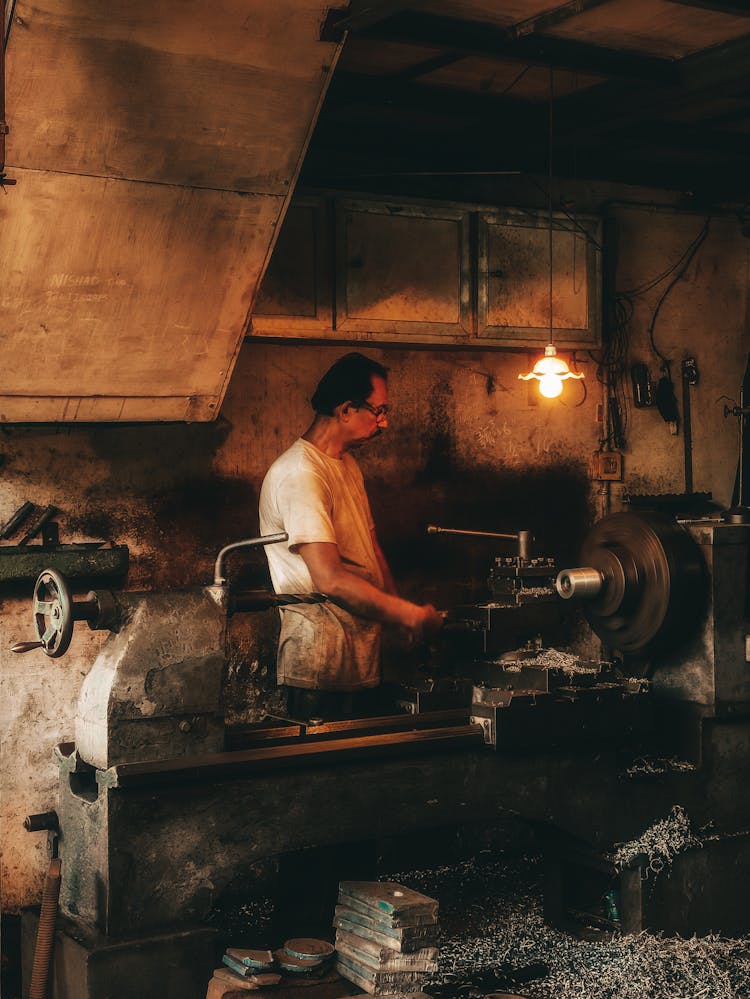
[
  {"x": 695, "y": 246},
  {"x": 612, "y": 363}
]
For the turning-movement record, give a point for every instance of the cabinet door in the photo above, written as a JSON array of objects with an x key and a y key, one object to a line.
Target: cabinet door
[
  {"x": 514, "y": 301},
  {"x": 295, "y": 295},
  {"x": 403, "y": 270}
]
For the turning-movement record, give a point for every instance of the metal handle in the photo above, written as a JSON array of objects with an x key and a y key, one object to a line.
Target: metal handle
[
  {"x": 267, "y": 539},
  {"x": 22, "y": 647},
  {"x": 523, "y": 538}
]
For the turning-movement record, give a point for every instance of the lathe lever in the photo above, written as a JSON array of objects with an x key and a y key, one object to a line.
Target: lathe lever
[{"x": 26, "y": 646}]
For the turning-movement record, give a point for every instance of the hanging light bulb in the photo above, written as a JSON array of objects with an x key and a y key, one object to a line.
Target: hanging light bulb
[{"x": 550, "y": 370}]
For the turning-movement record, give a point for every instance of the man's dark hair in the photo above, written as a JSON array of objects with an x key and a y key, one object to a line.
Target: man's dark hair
[{"x": 349, "y": 378}]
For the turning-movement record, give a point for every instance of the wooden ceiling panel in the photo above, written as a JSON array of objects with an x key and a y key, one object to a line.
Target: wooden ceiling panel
[
  {"x": 377, "y": 58},
  {"x": 653, "y": 27}
]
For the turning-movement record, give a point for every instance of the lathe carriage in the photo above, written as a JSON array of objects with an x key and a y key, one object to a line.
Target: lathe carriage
[{"x": 156, "y": 813}]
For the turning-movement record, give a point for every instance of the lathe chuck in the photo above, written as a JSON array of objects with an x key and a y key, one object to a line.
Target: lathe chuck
[{"x": 641, "y": 582}]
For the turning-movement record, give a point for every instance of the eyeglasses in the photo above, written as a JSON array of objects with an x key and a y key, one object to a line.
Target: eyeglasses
[{"x": 377, "y": 411}]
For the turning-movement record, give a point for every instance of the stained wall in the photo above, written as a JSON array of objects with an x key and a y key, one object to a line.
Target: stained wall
[{"x": 468, "y": 446}]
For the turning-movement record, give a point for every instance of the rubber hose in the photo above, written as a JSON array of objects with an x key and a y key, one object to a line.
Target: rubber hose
[{"x": 45, "y": 937}]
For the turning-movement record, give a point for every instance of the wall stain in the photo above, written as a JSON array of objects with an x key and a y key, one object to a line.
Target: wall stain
[
  {"x": 553, "y": 502},
  {"x": 437, "y": 439}
]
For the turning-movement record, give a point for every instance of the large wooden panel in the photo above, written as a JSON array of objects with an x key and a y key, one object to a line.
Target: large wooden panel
[
  {"x": 402, "y": 269},
  {"x": 180, "y": 91},
  {"x": 106, "y": 292},
  {"x": 156, "y": 145},
  {"x": 514, "y": 278}
]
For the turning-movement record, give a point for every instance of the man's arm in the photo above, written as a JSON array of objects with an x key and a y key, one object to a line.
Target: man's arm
[
  {"x": 330, "y": 576},
  {"x": 389, "y": 584}
]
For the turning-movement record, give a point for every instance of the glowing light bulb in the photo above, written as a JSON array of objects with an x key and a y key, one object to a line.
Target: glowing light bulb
[
  {"x": 550, "y": 386},
  {"x": 551, "y": 371}
]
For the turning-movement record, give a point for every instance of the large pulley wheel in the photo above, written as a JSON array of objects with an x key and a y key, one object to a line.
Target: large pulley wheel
[
  {"x": 642, "y": 582},
  {"x": 53, "y": 613}
]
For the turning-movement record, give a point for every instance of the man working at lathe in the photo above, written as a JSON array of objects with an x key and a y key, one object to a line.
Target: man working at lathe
[{"x": 329, "y": 653}]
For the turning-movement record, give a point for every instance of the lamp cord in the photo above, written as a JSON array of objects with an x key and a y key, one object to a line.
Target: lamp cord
[{"x": 549, "y": 195}]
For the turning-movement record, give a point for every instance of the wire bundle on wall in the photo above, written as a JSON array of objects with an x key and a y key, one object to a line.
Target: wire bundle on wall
[{"x": 619, "y": 308}]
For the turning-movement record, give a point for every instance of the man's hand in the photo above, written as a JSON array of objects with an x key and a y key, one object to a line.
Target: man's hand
[
  {"x": 330, "y": 576},
  {"x": 427, "y": 624}
]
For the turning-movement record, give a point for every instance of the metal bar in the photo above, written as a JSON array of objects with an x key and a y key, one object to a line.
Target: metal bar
[
  {"x": 689, "y": 377},
  {"x": 228, "y": 766},
  {"x": 244, "y": 736},
  {"x": 38, "y": 524},
  {"x": 434, "y": 529},
  {"x": 426, "y": 719},
  {"x": 24, "y": 511},
  {"x": 254, "y": 600}
]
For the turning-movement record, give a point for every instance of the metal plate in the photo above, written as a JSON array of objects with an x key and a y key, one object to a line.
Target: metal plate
[{"x": 309, "y": 948}]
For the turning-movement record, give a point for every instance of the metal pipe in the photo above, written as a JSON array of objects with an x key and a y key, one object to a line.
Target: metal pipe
[{"x": 267, "y": 539}]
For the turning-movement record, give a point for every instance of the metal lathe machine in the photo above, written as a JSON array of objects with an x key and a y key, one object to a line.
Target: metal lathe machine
[{"x": 156, "y": 813}]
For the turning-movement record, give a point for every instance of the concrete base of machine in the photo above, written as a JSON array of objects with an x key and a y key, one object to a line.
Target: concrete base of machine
[{"x": 86, "y": 965}]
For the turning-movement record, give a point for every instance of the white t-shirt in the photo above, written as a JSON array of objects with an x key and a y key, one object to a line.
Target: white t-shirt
[{"x": 316, "y": 498}]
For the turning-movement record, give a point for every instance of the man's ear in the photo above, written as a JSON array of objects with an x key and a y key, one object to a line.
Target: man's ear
[{"x": 345, "y": 409}]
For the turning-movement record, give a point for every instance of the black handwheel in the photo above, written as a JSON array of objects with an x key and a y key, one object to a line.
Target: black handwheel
[{"x": 53, "y": 613}]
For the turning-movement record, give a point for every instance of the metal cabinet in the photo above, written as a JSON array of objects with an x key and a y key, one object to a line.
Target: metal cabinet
[
  {"x": 353, "y": 269},
  {"x": 521, "y": 298}
]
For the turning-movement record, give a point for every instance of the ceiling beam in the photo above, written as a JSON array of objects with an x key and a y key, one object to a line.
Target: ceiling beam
[
  {"x": 473, "y": 38},
  {"x": 738, "y": 9},
  {"x": 551, "y": 18},
  {"x": 360, "y": 15},
  {"x": 427, "y": 66},
  {"x": 717, "y": 74}
]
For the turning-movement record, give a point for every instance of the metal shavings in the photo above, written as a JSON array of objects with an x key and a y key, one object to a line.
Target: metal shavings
[
  {"x": 490, "y": 918},
  {"x": 645, "y": 767},
  {"x": 552, "y": 659},
  {"x": 248, "y": 922},
  {"x": 660, "y": 843}
]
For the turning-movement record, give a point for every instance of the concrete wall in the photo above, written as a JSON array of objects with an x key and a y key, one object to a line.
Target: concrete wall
[{"x": 467, "y": 446}]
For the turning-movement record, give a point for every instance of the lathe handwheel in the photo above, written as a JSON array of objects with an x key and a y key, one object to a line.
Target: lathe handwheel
[
  {"x": 653, "y": 581},
  {"x": 53, "y": 613}
]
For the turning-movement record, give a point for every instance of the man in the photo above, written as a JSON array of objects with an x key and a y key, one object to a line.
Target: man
[{"x": 329, "y": 653}]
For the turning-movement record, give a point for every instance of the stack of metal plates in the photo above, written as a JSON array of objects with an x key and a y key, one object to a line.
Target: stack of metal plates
[{"x": 386, "y": 936}]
